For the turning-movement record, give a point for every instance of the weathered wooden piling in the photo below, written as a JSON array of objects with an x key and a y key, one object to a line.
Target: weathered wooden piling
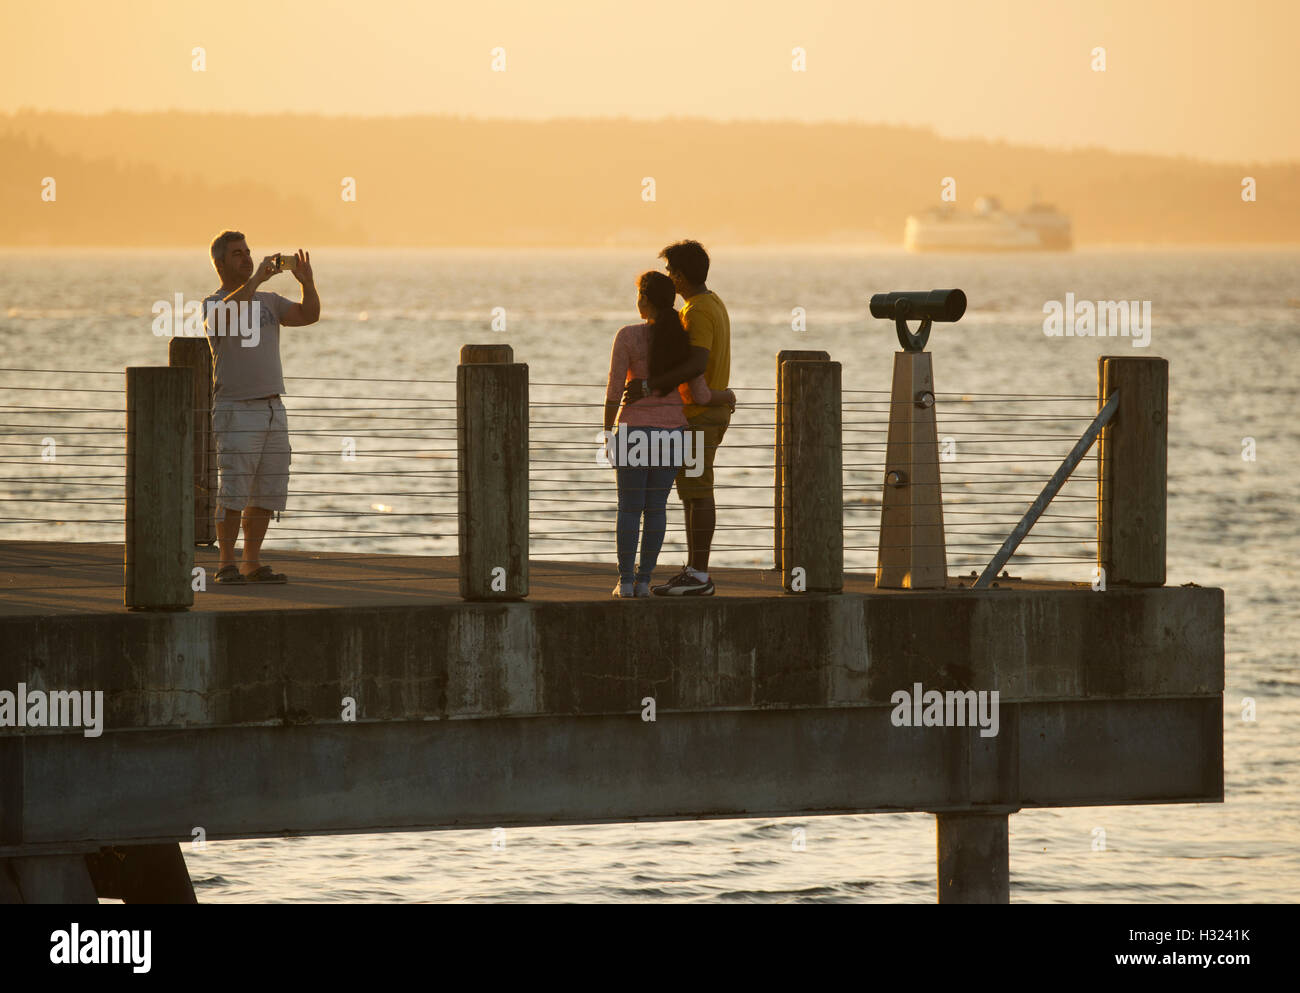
[
  {"x": 492, "y": 473},
  {"x": 159, "y": 547},
  {"x": 1132, "y": 460},
  {"x": 812, "y": 483},
  {"x": 195, "y": 355},
  {"x": 778, "y": 491},
  {"x": 912, "y": 554}
]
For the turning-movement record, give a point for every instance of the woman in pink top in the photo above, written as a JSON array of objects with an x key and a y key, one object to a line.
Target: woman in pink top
[{"x": 650, "y": 444}]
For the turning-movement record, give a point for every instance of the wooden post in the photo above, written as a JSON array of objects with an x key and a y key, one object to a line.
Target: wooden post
[
  {"x": 195, "y": 354},
  {"x": 159, "y": 555},
  {"x": 812, "y": 535},
  {"x": 912, "y": 555},
  {"x": 492, "y": 473},
  {"x": 778, "y": 493},
  {"x": 974, "y": 859},
  {"x": 1132, "y": 458}
]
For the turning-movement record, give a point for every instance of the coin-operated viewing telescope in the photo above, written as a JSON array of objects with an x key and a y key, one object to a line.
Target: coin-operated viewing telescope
[
  {"x": 911, "y": 553},
  {"x": 946, "y": 306}
]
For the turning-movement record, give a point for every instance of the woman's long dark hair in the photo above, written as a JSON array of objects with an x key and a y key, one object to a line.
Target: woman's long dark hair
[{"x": 669, "y": 345}]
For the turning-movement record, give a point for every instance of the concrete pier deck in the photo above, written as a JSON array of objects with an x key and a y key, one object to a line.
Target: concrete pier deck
[{"x": 229, "y": 717}]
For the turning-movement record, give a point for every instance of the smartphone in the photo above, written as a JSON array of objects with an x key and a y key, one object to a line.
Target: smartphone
[{"x": 283, "y": 262}]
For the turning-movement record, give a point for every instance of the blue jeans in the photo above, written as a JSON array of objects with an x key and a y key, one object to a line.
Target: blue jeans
[{"x": 643, "y": 490}]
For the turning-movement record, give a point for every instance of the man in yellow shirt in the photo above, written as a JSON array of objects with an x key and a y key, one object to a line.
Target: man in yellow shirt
[{"x": 709, "y": 329}]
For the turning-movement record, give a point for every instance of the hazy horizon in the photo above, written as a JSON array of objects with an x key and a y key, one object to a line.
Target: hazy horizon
[
  {"x": 134, "y": 178},
  {"x": 16, "y": 113}
]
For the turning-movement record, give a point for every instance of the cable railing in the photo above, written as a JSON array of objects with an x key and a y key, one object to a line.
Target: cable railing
[
  {"x": 63, "y": 454},
  {"x": 994, "y": 447},
  {"x": 995, "y": 452},
  {"x": 373, "y": 471},
  {"x": 376, "y": 472},
  {"x": 361, "y": 462},
  {"x": 571, "y": 486}
]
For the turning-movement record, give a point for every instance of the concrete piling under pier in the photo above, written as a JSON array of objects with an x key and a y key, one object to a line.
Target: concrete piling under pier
[
  {"x": 974, "y": 864},
  {"x": 228, "y": 717}
]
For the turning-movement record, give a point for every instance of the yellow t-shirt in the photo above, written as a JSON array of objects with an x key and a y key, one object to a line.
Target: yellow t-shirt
[{"x": 708, "y": 326}]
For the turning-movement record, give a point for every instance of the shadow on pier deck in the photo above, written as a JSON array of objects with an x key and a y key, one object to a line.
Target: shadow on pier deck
[{"x": 50, "y": 577}]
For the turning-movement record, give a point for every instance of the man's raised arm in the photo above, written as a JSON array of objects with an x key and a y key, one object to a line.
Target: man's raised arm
[
  {"x": 260, "y": 275},
  {"x": 308, "y": 312}
]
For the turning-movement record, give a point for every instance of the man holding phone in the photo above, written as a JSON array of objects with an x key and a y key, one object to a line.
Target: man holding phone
[{"x": 248, "y": 419}]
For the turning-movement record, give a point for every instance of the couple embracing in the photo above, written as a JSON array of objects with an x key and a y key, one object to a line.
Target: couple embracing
[{"x": 671, "y": 374}]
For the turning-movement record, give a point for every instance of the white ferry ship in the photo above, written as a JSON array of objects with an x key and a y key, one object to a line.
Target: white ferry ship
[{"x": 990, "y": 228}]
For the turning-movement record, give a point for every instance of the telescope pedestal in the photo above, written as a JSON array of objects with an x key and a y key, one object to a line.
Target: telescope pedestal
[{"x": 912, "y": 555}]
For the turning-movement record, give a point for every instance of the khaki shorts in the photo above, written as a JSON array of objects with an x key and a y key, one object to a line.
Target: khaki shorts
[
  {"x": 253, "y": 453},
  {"x": 713, "y": 424}
]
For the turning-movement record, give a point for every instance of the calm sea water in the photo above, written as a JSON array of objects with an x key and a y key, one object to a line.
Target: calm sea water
[{"x": 1228, "y": 321}]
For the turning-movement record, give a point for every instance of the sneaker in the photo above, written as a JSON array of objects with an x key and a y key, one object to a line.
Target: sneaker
[
  {"x": 684, "y": 584},
  {"x": 623, "y": 590},
  {"x": 642, "y": 588}
]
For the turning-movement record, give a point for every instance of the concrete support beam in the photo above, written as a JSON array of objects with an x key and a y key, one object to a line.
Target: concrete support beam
[
  {"x": 142, "y": 874},
  {"x": 974, "y": 858},
  {"x": 54, "y": 879},
  {"x": 134, "y": 787},
  {"x": 195, "y": 669},
  {"x": 9, "y": 891}
]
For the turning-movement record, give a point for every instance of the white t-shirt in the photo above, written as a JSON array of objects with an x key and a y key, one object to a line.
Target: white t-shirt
[{"x": 246, "y": 359}]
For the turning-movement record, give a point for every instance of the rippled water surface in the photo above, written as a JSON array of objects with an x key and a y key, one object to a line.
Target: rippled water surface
[{"x": 1229, "y": 322}]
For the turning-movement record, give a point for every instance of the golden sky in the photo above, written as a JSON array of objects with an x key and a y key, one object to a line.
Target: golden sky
[{"x": 1215, "y": 80}]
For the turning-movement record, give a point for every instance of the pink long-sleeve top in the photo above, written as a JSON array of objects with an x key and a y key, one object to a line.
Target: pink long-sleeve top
[{"x": 629, "y": 358}]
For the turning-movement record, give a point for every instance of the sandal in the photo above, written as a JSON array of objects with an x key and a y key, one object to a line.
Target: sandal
[
  {"x": 265, "y": 575},
  {"x": 229, "y": 574}
]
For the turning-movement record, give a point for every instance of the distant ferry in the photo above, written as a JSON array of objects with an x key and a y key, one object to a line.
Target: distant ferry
[{"x": 1040, "y": 227}]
